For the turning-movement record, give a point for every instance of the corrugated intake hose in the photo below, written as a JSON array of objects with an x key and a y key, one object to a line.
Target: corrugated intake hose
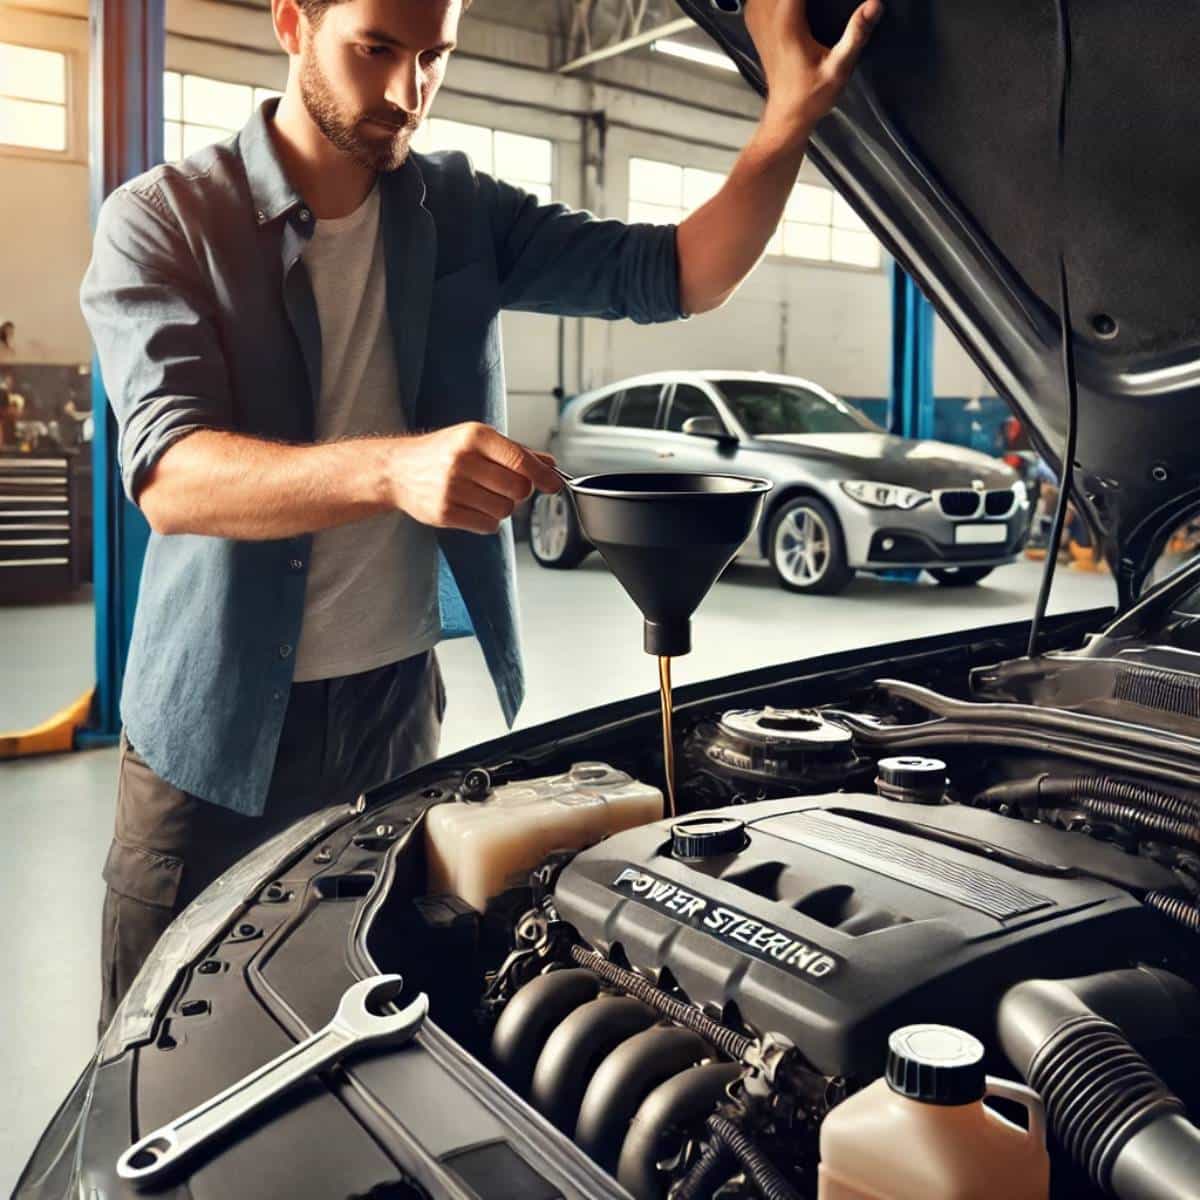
[
  {"x": 1144, "y": 810},
  {"x": 1072, "y": 1041},
  {"x": 708, "y": 1172},
  {"x": 734, "y": 1045},
  {"x": 1179, "y": 909},
  {"x": 730, "y": 1149}
]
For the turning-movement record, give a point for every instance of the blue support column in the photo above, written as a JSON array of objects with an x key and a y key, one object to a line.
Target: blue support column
[
  {"x": 127, "y": 50},
  {"x": 910, "y": 405}
]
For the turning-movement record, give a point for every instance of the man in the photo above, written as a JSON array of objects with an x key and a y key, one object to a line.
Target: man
[{"x": 298, "y": 333}]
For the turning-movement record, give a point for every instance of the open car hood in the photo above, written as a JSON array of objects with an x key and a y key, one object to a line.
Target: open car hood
[{"x": 948, "y": 144}]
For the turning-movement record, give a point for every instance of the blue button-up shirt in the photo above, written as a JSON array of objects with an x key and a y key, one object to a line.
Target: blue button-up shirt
[{"x": 204, "y": 318}]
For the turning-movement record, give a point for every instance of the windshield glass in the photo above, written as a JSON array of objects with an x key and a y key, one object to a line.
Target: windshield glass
[{"x": 768, "y": 407}]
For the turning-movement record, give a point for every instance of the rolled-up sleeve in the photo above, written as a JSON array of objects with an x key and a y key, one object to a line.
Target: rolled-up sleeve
[
  {"x": 152, "y": 323},
  {"x": 552, "y": 259}
]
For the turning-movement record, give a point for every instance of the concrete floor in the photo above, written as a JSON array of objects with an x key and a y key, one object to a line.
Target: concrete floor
[{"x": 583, "y": 648}]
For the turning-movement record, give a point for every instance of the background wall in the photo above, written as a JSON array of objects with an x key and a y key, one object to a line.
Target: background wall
[{"x": 828, "y": 323}]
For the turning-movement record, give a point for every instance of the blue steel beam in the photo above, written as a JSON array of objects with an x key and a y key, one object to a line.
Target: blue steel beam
[
  {"x": 127, "y": 43},
  {"x": 910, "y": 404}
]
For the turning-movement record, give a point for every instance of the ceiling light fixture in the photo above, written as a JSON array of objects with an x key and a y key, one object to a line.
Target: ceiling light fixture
[{"x": 697, "y": 54}]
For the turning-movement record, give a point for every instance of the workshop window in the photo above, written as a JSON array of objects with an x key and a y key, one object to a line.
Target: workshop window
[
  {"x": 527, "y": 162},
  {"x": 663, "y": 194},
  {"x": 33, "y": 98},
  {"x": 199, "y": 111},
  {"x": 818, "y": 225}
]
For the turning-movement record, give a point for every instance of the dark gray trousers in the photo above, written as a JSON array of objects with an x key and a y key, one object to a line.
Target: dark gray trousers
[{"x": 340, "y": 737}]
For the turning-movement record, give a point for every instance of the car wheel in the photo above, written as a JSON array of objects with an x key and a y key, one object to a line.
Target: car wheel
[
  {"x": 806, "y": 548},
  {"x": 960, "y": 576},
  {"x": 554, "y": 534}
]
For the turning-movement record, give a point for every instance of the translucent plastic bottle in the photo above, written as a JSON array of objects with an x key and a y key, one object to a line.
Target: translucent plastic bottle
[
  {"x": 477, "y": 850},
  {"x": 924, "y": 1133}
]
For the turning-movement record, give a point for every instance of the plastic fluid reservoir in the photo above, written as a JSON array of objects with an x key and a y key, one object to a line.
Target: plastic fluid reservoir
[
  {"x": 924, "y": 1133},
  {"x": 477, "y": 850}
]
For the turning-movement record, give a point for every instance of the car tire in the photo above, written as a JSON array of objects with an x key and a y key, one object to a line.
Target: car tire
[
  {"x": 555, "y": 539},
  {"x": 806, "y": 548},
  {"x": 961, "y": 576}
]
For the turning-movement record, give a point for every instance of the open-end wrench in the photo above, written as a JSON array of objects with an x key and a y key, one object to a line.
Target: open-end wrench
[{"x": 354, "y": 1026}]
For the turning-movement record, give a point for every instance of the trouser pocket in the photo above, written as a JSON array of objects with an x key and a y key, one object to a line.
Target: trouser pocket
[{"x": 139, "y": 904}]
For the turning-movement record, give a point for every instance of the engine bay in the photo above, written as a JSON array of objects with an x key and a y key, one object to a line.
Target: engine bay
[{"x": 689, "y": 999}]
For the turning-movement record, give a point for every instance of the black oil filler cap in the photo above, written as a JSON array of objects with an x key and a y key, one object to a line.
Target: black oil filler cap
[
  {"x": 708, "y": 837},
  {"x": 936, "y": 1064}
]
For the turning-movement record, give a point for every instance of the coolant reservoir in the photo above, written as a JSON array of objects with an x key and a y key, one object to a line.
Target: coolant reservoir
[
  {"x": 477, "y": 850},
  {"x": 924, "y": 1133}
]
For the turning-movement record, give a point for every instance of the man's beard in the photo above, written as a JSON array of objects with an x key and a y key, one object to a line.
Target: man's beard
[{"x": 380, "y": 152}]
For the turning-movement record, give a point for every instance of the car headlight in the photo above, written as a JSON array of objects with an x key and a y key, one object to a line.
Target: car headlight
[{"x": 883, "y": 495}]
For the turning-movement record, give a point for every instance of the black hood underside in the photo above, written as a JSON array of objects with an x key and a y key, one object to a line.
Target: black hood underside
[{"x": 981, "y": 142}]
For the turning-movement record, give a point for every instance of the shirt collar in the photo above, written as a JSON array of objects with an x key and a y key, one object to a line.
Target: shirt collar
[{"x": 271, "y": 192}]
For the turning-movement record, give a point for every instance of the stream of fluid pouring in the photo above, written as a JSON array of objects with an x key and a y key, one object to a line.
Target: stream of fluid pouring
[{"x": 664, "y": 693}]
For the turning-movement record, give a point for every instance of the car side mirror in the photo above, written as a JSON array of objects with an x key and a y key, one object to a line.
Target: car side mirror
[{"x": 707, "y": 427}]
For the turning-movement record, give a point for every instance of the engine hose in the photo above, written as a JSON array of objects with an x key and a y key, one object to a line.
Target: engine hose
[
  {"x": 735, "y": 1045},
  {"x": 1144, "y": 810},
  {"x": 1118, "y": 791},
  {"x": 708, "y": 1172},
  {"x": 1149, "y": 824},
  {"x": 1071, "y": 1040},
  {"x": 766, "y": 1176},
  {"x": 1179, "y": 909}
]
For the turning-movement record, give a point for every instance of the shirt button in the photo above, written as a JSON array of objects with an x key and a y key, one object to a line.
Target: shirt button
[
  {"x": 284, "y": 650},
  {"x": 262, "y": 216},
  {"x": 305, "y": 215},
  {"x": 297, "y": 564},
  {"x": 276, "y": 695}
]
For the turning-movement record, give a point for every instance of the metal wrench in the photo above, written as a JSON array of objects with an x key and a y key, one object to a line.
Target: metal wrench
[{"x": 354, "y": 1025}]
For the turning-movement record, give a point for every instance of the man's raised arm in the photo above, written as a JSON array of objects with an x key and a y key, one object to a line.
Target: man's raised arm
[{"x": 720, "y": 243}]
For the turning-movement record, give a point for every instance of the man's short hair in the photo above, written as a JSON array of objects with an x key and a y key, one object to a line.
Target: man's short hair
[{"x": 315, "y": 10}]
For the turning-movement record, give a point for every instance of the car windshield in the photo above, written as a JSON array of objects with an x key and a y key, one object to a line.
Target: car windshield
[{"x": 767, "y": 408}]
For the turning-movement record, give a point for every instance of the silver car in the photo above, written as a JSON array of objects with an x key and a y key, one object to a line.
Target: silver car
[{"x": 848, "y": 496}]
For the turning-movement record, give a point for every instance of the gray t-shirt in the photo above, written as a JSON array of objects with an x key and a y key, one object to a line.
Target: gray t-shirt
[{"x": 372, "y": 585}]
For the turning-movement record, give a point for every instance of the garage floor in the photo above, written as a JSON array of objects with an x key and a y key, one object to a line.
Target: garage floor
[{"x": 583, "y": 648}]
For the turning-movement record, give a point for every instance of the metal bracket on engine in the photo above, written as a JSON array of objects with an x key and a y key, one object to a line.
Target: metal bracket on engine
[
  {"x": 765, "y": 1060},
  {"x": 537, "y": 935}
]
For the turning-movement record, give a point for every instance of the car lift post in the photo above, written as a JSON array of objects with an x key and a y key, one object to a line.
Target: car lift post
[
  {"x": 126, "y": 138},
  {"x": 127, "y": 54},
  {"x": 910, "y": 405}
]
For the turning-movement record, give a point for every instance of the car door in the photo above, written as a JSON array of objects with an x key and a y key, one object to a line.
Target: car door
[
  {"x": 629, "y": 442},
  {"x": 679, "y": 451},
  {"x": 588, "y": 443}
]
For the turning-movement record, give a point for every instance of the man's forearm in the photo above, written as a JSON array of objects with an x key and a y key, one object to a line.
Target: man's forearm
[
  {"x": 722, "y": 241},
  {"x": 232, "y": 486},
  {"x": 466, "y": 476}
]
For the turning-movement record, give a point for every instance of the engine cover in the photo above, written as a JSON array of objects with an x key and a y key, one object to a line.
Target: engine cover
[{"x": 843, "y": 917}]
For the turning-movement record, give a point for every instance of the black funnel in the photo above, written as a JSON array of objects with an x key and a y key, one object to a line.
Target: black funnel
[{"x": 667, "y": 536}]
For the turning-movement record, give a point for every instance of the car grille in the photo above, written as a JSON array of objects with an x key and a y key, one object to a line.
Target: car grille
[{"x": 962, "y": 504}]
